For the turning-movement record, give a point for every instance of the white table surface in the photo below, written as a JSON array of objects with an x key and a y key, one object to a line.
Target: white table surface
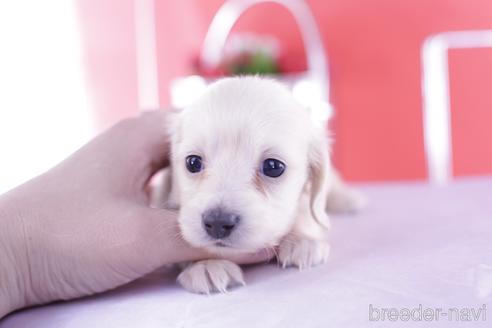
[{"x": 414, "y": 244}]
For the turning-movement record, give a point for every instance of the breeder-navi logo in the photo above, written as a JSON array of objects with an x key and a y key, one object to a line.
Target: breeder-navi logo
[{"x": 427, "y": 314}]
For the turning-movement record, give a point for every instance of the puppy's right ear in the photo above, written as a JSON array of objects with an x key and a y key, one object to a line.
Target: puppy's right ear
[
  {"x": 174, "y": 125},
  {"x": 175, "y": 136}
]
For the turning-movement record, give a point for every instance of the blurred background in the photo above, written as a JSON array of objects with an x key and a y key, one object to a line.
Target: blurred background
[{"x": 69, "y": 69}]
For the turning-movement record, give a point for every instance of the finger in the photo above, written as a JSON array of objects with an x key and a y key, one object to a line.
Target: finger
[
  {"x": 152, "y": 142},
  {"x": 130, "y": 152},
  {"x": 160, "y": 241},
  {"x": 146, "y": 137}
]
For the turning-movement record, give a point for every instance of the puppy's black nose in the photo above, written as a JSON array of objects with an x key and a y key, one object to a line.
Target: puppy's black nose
[{"x": 219, "y": 223}]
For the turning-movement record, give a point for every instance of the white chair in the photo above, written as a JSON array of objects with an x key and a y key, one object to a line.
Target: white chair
[
  {"x": 311, "y": 88},
  {"x": 435, "y": 91}
]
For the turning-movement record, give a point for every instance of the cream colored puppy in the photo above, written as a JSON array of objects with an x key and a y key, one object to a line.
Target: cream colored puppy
[{"x": 251, "y": 171}]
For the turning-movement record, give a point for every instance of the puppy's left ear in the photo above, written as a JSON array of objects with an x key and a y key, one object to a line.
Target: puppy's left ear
[{"x": 319, "y": 176}]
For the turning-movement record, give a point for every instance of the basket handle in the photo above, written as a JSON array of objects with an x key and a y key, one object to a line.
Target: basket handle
[{"x": 231, "y": 10}]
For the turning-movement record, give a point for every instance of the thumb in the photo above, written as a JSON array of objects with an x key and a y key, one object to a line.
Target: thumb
[{"x": 160, "y": 241}]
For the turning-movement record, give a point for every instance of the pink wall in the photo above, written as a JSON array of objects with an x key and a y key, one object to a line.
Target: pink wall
[
  {"x": 108, "y": 40},
  {"x": 374, "y": 52},
  {"x": 471, "y": 103}
]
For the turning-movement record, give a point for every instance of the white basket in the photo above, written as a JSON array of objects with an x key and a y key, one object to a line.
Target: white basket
[{"x": 310, "y": 88}]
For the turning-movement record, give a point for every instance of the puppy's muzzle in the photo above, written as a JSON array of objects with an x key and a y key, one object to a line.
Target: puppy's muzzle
[{"x": 219, "y": 223}]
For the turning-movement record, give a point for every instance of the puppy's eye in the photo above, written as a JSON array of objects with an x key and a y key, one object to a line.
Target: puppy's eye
[
  {"x": 273, "y": 168},
  {"x": 194, "y": 163}
]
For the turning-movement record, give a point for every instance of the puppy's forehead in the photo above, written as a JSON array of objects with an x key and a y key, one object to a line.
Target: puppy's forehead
[{"x": 247, "y": 112}]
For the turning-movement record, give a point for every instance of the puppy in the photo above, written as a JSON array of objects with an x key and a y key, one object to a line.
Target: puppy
[{"x": 250, "y": 171}]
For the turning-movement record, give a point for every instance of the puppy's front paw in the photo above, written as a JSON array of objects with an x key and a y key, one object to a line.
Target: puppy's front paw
[
  {"x": 205, "y": 277},
  {"x": 303, "y": 252}
]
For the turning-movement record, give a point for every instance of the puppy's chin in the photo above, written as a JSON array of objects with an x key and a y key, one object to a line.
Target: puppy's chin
[
  {"x": 226, "y": 248},
  {"x": 223, "y": 247},
  {"x": 230, "y": 249}
]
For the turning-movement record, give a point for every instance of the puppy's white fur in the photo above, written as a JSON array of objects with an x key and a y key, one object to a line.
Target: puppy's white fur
[{"x": 234, "y": 127}]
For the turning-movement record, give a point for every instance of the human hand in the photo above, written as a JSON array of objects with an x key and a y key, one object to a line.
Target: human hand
[{"x": 85, "y": 226}]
